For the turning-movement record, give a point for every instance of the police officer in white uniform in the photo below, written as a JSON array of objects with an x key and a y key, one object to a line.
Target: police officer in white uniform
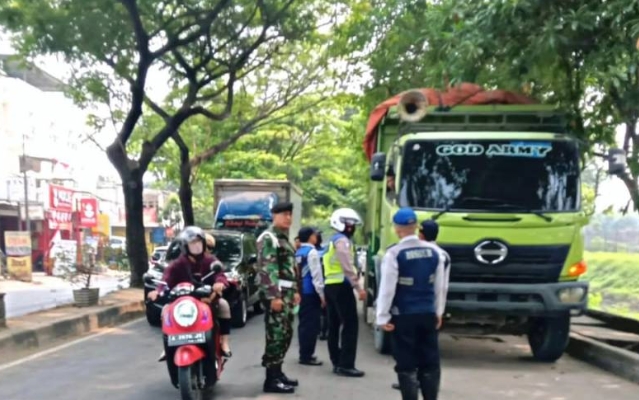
[{"x": 410, "y": 305}]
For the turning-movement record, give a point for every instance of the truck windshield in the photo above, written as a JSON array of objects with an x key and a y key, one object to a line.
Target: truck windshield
[
  {"x": 228, "y": 249},
  {"x": 490, "y": 175}
]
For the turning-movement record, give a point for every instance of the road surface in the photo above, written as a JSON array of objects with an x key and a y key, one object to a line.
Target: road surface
[{"x": 120, "y": 364}]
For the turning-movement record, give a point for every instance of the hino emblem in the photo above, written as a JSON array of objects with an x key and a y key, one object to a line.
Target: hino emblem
[{"x": 491, "y": 252}]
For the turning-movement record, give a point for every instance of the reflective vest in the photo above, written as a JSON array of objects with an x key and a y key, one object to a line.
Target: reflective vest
[
  {"x": 416, "y": 266},
  {"x": 301, "y": 256},
  {"x": 333, "y": 272}
]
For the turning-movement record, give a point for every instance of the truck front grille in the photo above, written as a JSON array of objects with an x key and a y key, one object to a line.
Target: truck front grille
[{"x": 523, "y": 264}]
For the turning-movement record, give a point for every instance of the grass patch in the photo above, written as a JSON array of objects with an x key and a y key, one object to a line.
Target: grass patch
[{"x": 614, "y": 282}]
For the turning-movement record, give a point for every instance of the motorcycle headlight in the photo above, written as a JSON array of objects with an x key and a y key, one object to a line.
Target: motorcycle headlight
[{"x": 185, "y": 313}]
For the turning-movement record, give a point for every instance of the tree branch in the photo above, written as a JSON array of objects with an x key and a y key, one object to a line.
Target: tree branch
[
  {"x": 137, "y": 86},
  {"x": 203, "y": 24},
  {"x": 230, "y": 86}
]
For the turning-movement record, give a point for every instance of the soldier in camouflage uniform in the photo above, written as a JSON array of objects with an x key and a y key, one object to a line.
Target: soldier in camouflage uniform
[{"x": 278, "y": 286}]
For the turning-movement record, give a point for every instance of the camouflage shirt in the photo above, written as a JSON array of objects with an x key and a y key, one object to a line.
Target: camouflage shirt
[{"x": 276, "y": 264}]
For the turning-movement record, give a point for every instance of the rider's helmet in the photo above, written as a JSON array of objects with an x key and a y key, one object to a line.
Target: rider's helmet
[
  {"x": 210, "y": 241},
  {"x": 191, "y": 234},
  {"x": 345, "y": 219}
]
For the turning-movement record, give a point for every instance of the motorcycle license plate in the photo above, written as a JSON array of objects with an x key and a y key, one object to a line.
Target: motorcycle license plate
[{"x": 186, "y": 338}]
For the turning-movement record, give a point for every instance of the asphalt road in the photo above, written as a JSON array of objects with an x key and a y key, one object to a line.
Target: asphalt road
[{"x": 121, "y": 365}]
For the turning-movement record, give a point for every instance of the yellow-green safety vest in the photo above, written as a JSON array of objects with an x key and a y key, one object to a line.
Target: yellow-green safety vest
[{"x": 333, "y": 272}]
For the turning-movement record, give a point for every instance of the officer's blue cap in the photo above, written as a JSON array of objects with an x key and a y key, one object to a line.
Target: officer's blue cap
[{"x": 405, "y": 216}]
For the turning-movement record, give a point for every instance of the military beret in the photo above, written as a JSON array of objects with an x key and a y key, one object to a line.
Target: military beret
[
  {"x": 405, "y": 216},
  {"x": 430, "y": 229},
  {"x": 284, "y": 206}
]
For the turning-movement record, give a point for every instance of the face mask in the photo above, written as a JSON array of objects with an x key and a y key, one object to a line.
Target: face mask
[
  {"x": 195, "y": 248},
  {"x": 349, "y": 230}
]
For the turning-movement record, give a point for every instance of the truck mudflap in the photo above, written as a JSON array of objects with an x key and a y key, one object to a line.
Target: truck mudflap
[{"x": 545, "y": 299}]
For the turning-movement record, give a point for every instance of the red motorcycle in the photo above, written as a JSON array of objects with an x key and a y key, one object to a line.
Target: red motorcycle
[{"x": 191, "y": 338}]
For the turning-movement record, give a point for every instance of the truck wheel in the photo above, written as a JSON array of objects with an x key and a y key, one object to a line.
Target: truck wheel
[
  {"x": 548, "y": 337},
  {"x": 382, "y": 341},
  {"x": 239, "y": 313}
]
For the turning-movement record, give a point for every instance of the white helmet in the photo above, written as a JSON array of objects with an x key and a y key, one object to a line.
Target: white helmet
[{"x": 344, "y": 216}]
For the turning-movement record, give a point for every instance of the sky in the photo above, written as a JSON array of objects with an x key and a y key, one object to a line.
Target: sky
[{"x": 612, "y": 191}]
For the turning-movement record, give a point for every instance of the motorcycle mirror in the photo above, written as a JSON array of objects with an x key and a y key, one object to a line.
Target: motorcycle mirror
[{"x": 217, "y": 266}]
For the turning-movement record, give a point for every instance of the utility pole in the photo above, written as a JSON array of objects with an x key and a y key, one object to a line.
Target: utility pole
[{"x": 26, "y": 183}]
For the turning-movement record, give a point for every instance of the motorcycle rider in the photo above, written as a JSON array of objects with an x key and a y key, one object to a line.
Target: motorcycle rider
[{"x": 193, "y": 264}]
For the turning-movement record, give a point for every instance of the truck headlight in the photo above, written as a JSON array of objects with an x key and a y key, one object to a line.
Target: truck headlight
[
  {"x": 185, "y": 313},
  {"x": 571, "y": 295}
]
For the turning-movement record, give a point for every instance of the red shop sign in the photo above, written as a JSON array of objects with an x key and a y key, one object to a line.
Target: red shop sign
[
  {"x": 88, "y": 213},
  {"x": 60, "y": 198},
  {"x": 60, "y": 219}
]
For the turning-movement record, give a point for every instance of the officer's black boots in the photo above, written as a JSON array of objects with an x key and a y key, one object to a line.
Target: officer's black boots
[
  {"x": 274, "y": 383},
  {"x": 285, "y": 379},
  {"x": 429, "y": 383},
  {"x": 408, "y": 385}
]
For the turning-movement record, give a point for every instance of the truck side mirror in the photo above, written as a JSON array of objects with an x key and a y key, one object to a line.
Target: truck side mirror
[
  {"x": 616, "y": 161},
  {"x": 378, "y": 164}
]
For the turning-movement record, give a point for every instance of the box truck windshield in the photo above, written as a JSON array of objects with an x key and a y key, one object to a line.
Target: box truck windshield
[{"x": 490, "y": 175}]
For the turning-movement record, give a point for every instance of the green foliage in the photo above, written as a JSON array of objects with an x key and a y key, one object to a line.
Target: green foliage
[
  {"x": 318, "y": 149},
  {"x": 614, "y": 278}
]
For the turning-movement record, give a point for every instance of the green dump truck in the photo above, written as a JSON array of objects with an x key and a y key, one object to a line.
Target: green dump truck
[{"x": 503, "y": 182}]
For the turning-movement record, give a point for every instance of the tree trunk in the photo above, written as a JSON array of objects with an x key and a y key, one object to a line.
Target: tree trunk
[
  {"x": 633, "y": 189},
  {"x": 186, "y": 191},
  {"x": 132, "y": 188},
  {"x": 135, "y": 234}
]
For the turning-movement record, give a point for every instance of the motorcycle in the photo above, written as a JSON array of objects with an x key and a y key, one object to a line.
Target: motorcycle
[{"x": 190, "y": 334}]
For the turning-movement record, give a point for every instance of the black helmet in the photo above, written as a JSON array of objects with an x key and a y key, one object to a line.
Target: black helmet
[{"x": 189, "y": 234}]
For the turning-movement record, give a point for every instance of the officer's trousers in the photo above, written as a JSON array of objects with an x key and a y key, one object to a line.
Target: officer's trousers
[
  {"x": 342, "y": 314},
  {"x": 415, "y": 347},
  {"x": 278, "y": 327},
  {"x": 309, "y": 324},
  {"x": 415, "y": 342}
]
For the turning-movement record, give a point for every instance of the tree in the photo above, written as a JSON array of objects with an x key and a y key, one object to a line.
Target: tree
[
  {"x": 317, "y": 148},
  {"x": 204, "y": 46},
  {"x": 577, "y": 54}
]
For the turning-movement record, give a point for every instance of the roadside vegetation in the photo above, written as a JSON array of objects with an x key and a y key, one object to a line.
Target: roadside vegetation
[{"x": 614, "y": 282}]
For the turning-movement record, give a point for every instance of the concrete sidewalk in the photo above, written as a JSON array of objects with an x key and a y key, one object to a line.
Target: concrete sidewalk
[
  {"x": 46, "y": 292},
  {"x": 48, "y": 328}
]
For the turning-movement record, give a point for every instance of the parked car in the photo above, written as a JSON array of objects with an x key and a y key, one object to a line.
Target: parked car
[{"x": 238, "y": 253}]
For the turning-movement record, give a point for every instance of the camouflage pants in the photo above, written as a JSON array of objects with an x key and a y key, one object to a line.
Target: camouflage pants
[{"x": 279, "y": 333}]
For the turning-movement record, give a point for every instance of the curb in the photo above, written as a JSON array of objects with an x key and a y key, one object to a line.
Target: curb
[
  {"x": 28, "y": 339},
  {"x": 622, "y": 363}
]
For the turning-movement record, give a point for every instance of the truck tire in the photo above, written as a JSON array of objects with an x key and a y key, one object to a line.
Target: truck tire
[
  {"x": 548, "y": 337},
  {"x": 382, "y": 341}
]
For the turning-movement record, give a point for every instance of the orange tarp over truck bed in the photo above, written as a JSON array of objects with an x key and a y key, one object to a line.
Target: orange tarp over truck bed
[{"x": 464, "y": 94}]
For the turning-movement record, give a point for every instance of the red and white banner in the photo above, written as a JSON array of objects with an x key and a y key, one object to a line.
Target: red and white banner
[
  {"x": 60, "y": 198},
  {"x": 60, "y": 220},
  {"x": 88, "y": 213}
]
